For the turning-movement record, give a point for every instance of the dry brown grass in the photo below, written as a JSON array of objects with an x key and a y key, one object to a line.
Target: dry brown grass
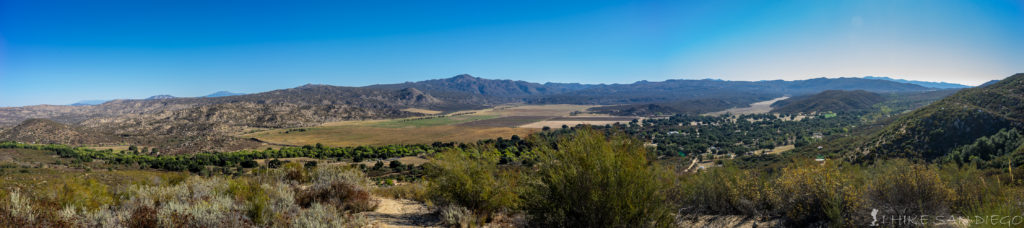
[
  {"x": 422, "y": 111},
  {"x": 462, "y": 126},
  {"x": 781, "y": 149},
  {"x": 555, "y": 110}
]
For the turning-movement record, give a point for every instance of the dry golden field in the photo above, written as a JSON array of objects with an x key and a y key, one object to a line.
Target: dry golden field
[
  {"x": 372, "y": 135},
  {"x": 462, "y": 126}
]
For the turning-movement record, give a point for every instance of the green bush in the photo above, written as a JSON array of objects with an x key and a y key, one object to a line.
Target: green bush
[
  {"x": 275, "y": 163},
  {"x": 725, "y": 191},
  {"x": 811, "y": 193},
  {"x": 901, "y": 188},
  {"x": 593, "y": 181},
  {"x": 476, "y": 183},
  {"x": 345, "y": 188}
]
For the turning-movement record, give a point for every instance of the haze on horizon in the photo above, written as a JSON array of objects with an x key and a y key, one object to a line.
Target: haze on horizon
[{"x": 60, "y": 52}]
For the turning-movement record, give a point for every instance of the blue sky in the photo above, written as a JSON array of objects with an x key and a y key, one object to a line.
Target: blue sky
[{"x": 60, "y": 52}]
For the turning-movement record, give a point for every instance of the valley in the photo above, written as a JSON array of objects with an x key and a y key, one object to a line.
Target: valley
[
  {"x": 735, "y": 164},
  {"x": 511, "y": 114},
  {"x": 464, "y": 126}
]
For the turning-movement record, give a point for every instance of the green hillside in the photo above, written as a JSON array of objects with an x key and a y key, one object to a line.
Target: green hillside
[
  {"x": 961, "y": 119},
  {"x": 830, "y": 100}
]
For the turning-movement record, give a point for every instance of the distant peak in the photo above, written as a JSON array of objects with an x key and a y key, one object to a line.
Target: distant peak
[
  {"x": 309, "y": 85},
  {"x": 464, "y": 77},
  {"x": 89, "y": 102},
  {"x": 223, "y": 94},
  {"x": 161, "y": 96},
  {"x": 929, "y": 84}
]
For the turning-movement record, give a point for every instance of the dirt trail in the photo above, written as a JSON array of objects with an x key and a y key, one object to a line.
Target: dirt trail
[
  {"x": 691, "y": 165},
  {"x": 401, "y": 213}
]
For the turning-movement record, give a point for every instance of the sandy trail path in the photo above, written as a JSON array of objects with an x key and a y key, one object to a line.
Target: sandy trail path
[{"x": 401, "y": 213}]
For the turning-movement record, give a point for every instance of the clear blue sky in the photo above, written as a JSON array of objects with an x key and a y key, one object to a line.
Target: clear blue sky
[{"x": 60, "y": 52}]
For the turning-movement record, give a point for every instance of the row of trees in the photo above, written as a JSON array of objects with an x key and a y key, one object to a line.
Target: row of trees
[{"x": 513, "y": 150}]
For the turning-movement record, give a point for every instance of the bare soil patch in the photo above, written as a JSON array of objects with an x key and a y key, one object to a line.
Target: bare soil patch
[
  {"x": 401, "y": 213},
  {"x": 422, "y": 111},
  {"x": 356, "y": 135}
]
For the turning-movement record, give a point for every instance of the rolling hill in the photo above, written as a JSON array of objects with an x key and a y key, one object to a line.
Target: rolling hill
[
  {"x": 50, "y": 132},
  {"x": 702, "y": 96},
  {"x": 960, "y": 119},
  {"x": 831, "y": 100}
]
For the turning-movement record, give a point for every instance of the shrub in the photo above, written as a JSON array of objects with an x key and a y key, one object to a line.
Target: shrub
[
  {"x": 908, "y": 190},
  {"x": 726, "y": 191},
  {"x": 275, "y": 163},
  {"x": 295, "y": 172},
  {"x": 19, "y": 209},
  {"x": 475, "y": 183},
  {"x": 594, "y": 181},
  {"x": 199, "y": 202},
  {"x": 143, "y": 216},
  {"x": 810, "y": 193},
  {"x": 414, "y": 191},
  {"x": 344, "y": 188},
  {"x": 970, "y": 187},
  {"x": 456, "y": 216},
  {"x": 249, "y": 164},
  {"x": 85, "y": 194},
  {"x": 325, "y": 216}
]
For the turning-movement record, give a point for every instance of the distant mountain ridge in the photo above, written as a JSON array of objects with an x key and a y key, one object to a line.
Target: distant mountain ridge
[
  {"x": 161, "y": 96},
  {"x": 937, "y": 85},
  {"x": 484, "y": 91},
  {"x": 89, "y": 102},
  {"x": 223, "y": 94},
  {"x": 194, "y": 124},
  {"x": 673, "y": 90}
]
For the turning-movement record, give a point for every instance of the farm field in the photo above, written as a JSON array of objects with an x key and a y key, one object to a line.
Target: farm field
[{"x": 461, "y": 126}]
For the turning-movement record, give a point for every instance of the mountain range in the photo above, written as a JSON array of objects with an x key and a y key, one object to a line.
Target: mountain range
[
  {"x": 937, "y": 85},
  {"x": 191, "y": 124},
  {"x": 162, "y": 96}
]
